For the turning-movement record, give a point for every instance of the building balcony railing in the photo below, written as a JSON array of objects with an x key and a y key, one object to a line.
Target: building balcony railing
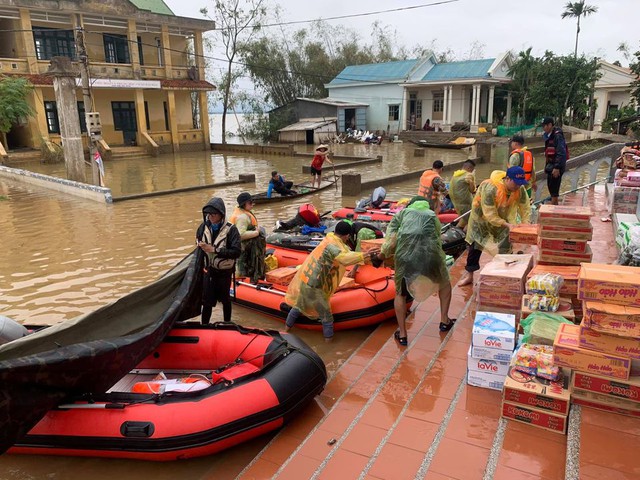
[{"x": 13, "y": 65}]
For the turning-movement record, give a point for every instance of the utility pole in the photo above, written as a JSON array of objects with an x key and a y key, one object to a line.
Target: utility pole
[{"x": 88, "y": 102}]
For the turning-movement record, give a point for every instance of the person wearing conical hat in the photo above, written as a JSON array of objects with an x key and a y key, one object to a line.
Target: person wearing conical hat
[{"x": 319, "y": 158}]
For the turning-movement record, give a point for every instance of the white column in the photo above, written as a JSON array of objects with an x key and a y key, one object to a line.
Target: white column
[
  {"x": 450, "y": 109},
  {"x": 492, "y": 89},
  {"x": 445, "y": 110},
  {"x": 478, "y": 99},
  {"x": 508, "y": 118},
  {"x": 474, "y": 105},
  {"x": 402, "y": 119}
]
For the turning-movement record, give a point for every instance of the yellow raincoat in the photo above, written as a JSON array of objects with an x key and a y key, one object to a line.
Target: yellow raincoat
[
  {"x": 463, "y": 185},
  {"x": 493, "y": 207},
  {"x": 319, "y": 276}
]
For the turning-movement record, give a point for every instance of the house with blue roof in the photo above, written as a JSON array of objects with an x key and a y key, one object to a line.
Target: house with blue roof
[{"x": 405, "y": 94}]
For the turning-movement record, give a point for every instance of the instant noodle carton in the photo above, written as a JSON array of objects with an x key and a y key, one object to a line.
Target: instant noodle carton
[
  {"x": 494, "y": 330},
  {"x": 495, "y": 297},
  {"x": 524, "y": 233},
  {"x": 485, "y": 365},
  {"x": 565, "y": 308},
  {"x": 612, "y": 319},
  {"x": 559, "y": 245},
  {"x": 605, "y": 343},
  {"x": 567, "y": 352},
  {"x": 533, "y": 416},
  {"x": 625, "y": 389},
  {"x": 605, "y": 403},
  {"x": 569, "y": 216},
  {"x": 506, "y": 273},
  {"x": 569, "y": 274},
  {"x": 564, "y": 258},
  {"x": 610, "y": 283},
  {"x": 566, "y": 233},
  {"x": 376, "y": 244},
  {"x": 281, "y": 276},
  {"x": 534, "y": 392}
]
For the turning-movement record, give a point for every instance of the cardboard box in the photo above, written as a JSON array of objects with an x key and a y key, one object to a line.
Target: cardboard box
[
  {"x": 497, "y": 297},
  {"x": 485, "y": 380},
  {"x": 504, "y": 310},
  {"x": 607, "y": 404},
  {"x": 565, "y": 308},
  {"x": 564, "y": 258},
  {"x": 558, "y": 245},
  {"x": 535, "y": 417},
  {"x": 281, "y": 276},
  {"x": 612, "y": 319},
  {"x": 494, "y": 330},
  {"x": 524, "y": 233},
  {"x": 610, "y": 283},
  {"x": 626, "y": 194},
  {"x": 486, "y": 365},
  {"x": 506, "y": 272},
  {"x": 491, "y": 354},
  {"x": 605, "y": 343},
  {"x": 376, "y": 244},
  {"x": 567, "y": 352},
  {"x": 346, "y": 282},
  {"x": 569, "y": 274},
  {"x": 626, "y": 389},
  {"x": 567, "y": 215},
  {"x": 566, "y": 233},
  {"x": 634, "y": 177},
  {"x": 534, "y": 392}
]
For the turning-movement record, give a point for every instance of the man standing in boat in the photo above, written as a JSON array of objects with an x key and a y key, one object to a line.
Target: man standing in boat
[
  {"x": 413, "y": 239},
  {"x": 495, "y": 207},
  {"x": 462, "y": 188},
  {"x": 522, "y": 157},
  {"x": 280, "y": 185},
  {"x": 251, "y": 262},
  {"x": 432, "y": 185},
  {"x": 319, "y": 277},
  {"x": 220, "y": 241},
  {"x": 556, "y": 155},
  {"x": 322, "y": 152}
]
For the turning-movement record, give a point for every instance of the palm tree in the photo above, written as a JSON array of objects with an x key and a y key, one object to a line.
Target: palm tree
[{"x": 577, "y": 10}]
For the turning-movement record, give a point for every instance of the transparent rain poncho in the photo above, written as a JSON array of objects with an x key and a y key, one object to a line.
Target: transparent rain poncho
[
  {"x": 319, "y": 276},
  {"x": 493, "y": 207},
  {"x": 413, "y": 236},
  {"x": 462, "y": 184}
]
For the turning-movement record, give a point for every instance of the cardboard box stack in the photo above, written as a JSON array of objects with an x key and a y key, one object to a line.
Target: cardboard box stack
[
  {"x": 564, "y": 233},
  {"x": 604, "y": 350},
  {"x": 492, "y": 343},
  {"x": 568, "y": 291}
]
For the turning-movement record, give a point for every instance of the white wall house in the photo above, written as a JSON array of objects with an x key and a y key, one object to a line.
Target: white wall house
[
  {"x": 403, "y": 95},
  {"x": 613, "y": 91}
]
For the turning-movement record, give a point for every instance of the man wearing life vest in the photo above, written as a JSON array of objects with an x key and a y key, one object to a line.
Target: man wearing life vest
[
  {"x": 462, "y": 188},
  {"x": 319, "y": 277},
  {"x": 497, "y": 203},
  {"x": 413, "y": 238},
  {"x": 522, "y": 157},
  {"x": 319, "y": 158},
  {"x": 251, "y": 261},
  {"x": 432, "y": 185},
  {"x": 220, "y": 241},
  {"x": 556, "y": 155}
]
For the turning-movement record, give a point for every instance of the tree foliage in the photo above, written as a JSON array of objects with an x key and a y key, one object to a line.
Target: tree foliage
[
  {"x": 578, "y": 10},
  {"x": 14, "y": 106},
  {"x": 635, "y": 68}
]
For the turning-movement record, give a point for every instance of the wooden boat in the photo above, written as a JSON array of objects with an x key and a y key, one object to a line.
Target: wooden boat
[
  {"x": 368, "y": 301},
  {"x": 302, "y": 189},
  {"x": 458, "y": 143},
  {"x": 89, "y": 354},
  {"x": 243, "y": 383}
]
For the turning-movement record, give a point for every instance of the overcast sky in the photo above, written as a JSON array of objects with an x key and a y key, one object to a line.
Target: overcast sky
[{"x": 500, "y": 25}]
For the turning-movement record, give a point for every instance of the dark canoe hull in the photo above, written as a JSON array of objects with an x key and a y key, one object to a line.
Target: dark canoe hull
[
  {"x": 303, "y": 189},
  {"x": 449, "y": 146},
  {"x": 89, "y": 354}
]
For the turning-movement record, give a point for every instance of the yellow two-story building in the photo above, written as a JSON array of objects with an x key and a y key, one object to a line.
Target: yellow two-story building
[{"x": 146, "y": 70}]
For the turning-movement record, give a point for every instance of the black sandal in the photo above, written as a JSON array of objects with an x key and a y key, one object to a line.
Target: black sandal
[
  {"x": 445, "y": 327},
  {"x": 401, "y": 340}
]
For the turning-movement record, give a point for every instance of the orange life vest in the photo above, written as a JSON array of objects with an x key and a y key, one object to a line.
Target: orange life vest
[
  {"x": 239, "y": 211},
  {"x": 426, "y": 189},
  {"x": 526, "y": 162}
]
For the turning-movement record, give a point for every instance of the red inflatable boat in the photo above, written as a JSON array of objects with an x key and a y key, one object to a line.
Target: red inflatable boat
[
  {"x": 243, "y": 383},
  {"x": 384, "y": 214}
]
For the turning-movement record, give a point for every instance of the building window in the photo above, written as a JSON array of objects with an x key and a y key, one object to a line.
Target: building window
[
  {"x": 53, "y": 43},
  {"x": 140, "y": 53},
  {"x": 438, "y": 101},
  {"x": 160, "y": 52},
  {"x": 53, "y": 121},
  {"x": 394, "y": 113},
  {"x": 166, "y": 116},
  {"x": 116, "y": 48},
  {"x": 419, "y": 109},
  {"x": 146, "y": 115}
]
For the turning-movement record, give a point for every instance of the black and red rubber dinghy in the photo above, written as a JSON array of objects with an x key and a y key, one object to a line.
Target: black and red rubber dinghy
[{"x": 255, "y": 381}]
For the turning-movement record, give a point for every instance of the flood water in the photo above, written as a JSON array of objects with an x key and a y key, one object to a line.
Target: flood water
[{"x": 62, "y": 256}]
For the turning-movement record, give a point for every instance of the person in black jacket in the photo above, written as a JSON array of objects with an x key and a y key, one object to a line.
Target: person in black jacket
[
  {"x": 555, "y": 152},
  {"x": 220, "y": 240}
]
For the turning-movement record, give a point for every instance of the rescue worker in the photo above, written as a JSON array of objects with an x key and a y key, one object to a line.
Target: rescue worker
[
  {"x": 462, "y": 188},
  {"x": 432, "y": 185},
  {"x": 319, "y": 277},
  {"x": 497, "y": 203},
  {"x": 413, "y": 238},
  {"x": 522, "y": 157},
  {"x": 280, "y": 185},
  {"x": 251, "y": 261},
  {"x": 220, "y": 241},
  {"x": 556, "y": 155}
]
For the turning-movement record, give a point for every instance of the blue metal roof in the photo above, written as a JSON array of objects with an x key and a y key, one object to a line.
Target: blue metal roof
[
  {"x": 459, "y": 70},
  {"x": 375, "y": 72}
]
